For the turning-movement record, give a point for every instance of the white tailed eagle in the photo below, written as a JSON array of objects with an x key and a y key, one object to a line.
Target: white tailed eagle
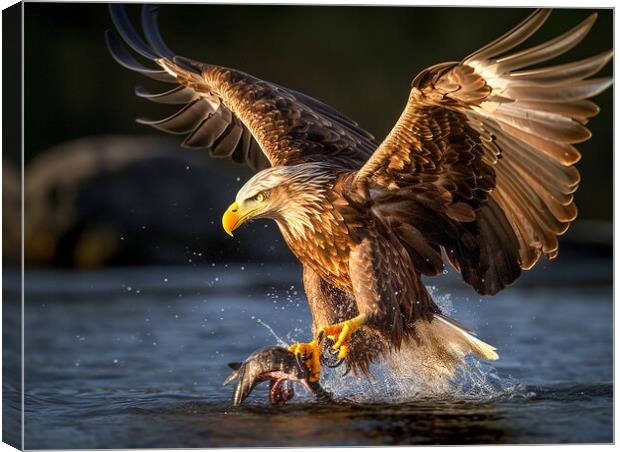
[{"x": 479, "y": 169}]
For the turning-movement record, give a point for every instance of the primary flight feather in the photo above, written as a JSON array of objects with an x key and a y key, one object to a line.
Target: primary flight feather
[{"x": 479, "y": 168}]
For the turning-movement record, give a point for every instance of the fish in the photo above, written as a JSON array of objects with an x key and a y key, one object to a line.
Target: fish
[{"x": 279, "y": 366}]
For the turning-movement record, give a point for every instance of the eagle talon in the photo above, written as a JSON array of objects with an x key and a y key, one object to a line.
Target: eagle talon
[
  {"x": 301, "y": 366},
  {"x": 329, "y": 356},
  {"x": 321, "y": 336},
  {"x": 339, "y": 334},
  {"x": 307, "y": 356},
  {"x": 332, "y": 364}
]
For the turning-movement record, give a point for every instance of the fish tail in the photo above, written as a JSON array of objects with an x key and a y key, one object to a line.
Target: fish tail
[{"x": 233, "y": 376}]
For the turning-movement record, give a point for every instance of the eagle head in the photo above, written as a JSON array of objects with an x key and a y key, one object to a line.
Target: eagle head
[{"x": 289, "y": 194}]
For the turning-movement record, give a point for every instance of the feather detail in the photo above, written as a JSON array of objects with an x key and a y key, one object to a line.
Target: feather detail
[
  {"x": 491, "y": 129},
  {"x": 283, "y": 127},
  {"x": 458, "y": 339},
  {"x": 176, "y": 96}
]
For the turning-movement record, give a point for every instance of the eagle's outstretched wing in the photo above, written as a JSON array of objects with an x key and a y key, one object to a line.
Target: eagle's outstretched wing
[
  {"x": 488, "y": 141},
  {"x": 233, "y": 114}
]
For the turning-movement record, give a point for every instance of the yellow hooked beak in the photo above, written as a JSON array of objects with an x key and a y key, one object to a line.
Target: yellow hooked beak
[{"x": 231, "y": 219}]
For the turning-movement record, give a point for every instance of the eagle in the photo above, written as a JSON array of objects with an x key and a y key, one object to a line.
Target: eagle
[{"x": 477, "y": 172}]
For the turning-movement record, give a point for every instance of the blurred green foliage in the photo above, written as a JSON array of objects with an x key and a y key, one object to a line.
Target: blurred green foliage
[{"x": 359, "y": 59}]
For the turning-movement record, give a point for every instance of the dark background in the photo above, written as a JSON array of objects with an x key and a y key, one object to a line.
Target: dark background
[{"x": 361, "y": 60}]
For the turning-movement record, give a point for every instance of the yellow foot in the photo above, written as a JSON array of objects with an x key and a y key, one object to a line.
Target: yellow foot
[
  {"x": 340, "y": 334},
  {"x": 309, "y": 354}
]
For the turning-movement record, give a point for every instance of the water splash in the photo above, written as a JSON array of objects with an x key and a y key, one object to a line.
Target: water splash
[
  {"x": 279, "y": 340},
  {"x": 478, "y": 380},
  {"x": 443, "y": 300},
  {"x": 396, "y": 380},
  {"x": 473, "y": 381},
  {"x": 401, "y": 377}
]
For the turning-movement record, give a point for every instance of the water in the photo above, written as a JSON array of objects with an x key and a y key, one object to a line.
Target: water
[{"x": 123, "y": 359}]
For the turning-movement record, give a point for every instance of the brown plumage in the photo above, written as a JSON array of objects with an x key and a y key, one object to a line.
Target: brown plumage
[{"x": 480, "y": 166}]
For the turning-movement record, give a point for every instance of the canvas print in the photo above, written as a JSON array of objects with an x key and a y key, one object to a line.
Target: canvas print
[{"x": 306, "y": 225}]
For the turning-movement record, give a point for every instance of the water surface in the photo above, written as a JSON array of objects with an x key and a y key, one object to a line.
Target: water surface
[{"x": 136, "y": 358}]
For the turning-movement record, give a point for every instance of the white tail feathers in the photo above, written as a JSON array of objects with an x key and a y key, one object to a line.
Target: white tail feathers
[
  {"x": 439, "y": 347},
  {"x": 456, "y": 336},
  {"x": 442, "y": 344}
]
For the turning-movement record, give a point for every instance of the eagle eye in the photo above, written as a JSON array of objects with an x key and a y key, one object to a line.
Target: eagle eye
[{"x": 259, "y": 197}]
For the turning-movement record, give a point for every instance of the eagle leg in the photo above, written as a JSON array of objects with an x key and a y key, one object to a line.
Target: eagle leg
[
  {"x": 341, "y": 333},
  {"x": 309, "y": 354}
]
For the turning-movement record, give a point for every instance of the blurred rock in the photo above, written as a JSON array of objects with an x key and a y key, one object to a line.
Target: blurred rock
[
  {"x": 11, "y": 217},
  {"x": 133, "y": 201}
]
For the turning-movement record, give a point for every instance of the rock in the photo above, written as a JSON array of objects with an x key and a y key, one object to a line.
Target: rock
[
  {"x": 115, "y": 200},
  {"x": 11, "y": 218}
]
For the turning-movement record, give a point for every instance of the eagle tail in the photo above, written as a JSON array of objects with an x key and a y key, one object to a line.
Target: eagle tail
[
  {"x": 441, "y": 344},
  {"x": 433, "y": 355},
  {"x": 458, "y": 337}
]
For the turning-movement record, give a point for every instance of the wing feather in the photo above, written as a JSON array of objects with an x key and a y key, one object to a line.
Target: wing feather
[
  {"x": 285, "y": 127},
  {"x": 558, "y": 93},
  {"x": 577, "y": 70},
  {"x": 151, "y": 31},
  {"x": 546, "y": 50},
  {"x": 125, "y": 59},
  {"x": 512, "y": 38},
  {"x": 491, "y": 129},
  {"x": 176, "y": 96},
  {"x": 128, "y": 32},
  {"x": 184, "y": 120}
]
